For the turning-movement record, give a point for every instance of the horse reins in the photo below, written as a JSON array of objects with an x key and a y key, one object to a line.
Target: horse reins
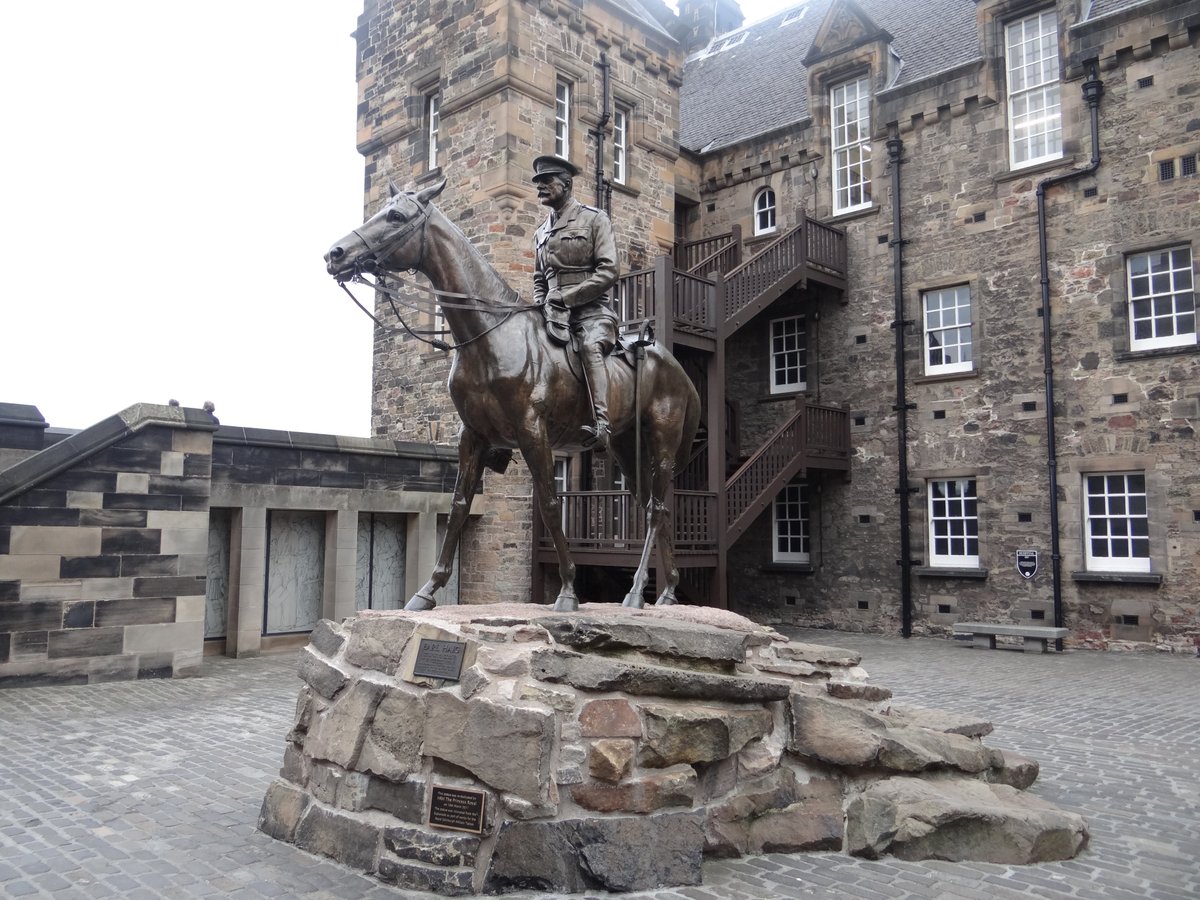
[{"x": 382, "y": 250}]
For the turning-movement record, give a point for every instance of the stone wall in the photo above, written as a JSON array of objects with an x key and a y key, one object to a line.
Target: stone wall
[
  {"x": 263, "y": 477},
  {"x": 968, "y": 219},
  {"x": 133, "y": 547},
  {"x": 103, "y": 549}
]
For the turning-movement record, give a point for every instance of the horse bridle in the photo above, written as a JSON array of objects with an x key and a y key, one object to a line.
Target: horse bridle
[{"x": 379, "y": 252}]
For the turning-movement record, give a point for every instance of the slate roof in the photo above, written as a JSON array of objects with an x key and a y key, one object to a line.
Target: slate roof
[
  {"x": 751, "y": 80},
  {"x": 1108, "y": 7},
  {"x": 645, "y": 12}
]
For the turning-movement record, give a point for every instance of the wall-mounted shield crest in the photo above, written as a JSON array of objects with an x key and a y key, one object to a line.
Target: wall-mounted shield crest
[{"x": 1027, "y": 563}]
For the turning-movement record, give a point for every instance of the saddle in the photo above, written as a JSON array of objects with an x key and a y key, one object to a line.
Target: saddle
[{"x": 558, "y": 329}]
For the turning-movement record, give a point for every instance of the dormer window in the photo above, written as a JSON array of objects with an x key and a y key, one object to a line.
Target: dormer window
[
  {"x": 1034, "y": 112},
  {"x": 850, "y": 106},
  {"x": 764, "y": 211}
]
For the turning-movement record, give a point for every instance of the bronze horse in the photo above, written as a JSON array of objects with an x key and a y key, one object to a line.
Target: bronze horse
[{"x": 513, "y": 388}]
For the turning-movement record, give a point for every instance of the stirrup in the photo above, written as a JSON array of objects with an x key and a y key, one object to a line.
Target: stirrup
[{"x": 596, "y": 436}]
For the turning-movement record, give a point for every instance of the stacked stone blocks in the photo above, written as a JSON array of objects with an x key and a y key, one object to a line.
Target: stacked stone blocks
[
  {"x": 615, "y": 749},
  {"x": 103, "y": 551}
]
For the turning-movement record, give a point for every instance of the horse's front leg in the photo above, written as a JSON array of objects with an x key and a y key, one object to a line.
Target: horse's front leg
[
  {"x": 471, "y": 450},
  {"x": 535, "y": 447},
  {"x": 642, "y": 575}
]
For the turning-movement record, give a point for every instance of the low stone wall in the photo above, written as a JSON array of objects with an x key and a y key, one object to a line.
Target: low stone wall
[
  {"x": 103, "y": 551},
  {"x": 614, "y": 749}
]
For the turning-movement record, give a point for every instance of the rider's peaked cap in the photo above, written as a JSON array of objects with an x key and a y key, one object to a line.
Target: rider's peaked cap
[{"x": 544, "y": 166}]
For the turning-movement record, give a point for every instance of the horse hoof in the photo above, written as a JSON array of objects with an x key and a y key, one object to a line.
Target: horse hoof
[
  {"x": 420, "y": 602},
  {"x": 665, "y": 599},
  {"x": 566, "y": 603},
  {"x": 634, "y": 601}
]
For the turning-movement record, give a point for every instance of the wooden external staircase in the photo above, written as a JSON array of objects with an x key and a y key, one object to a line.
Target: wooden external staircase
[{"x": 695, "y": 300}]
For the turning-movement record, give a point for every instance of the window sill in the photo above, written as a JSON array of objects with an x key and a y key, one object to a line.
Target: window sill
[
  {"x": 949, "y": 376},
  {"x": 1066, "y": 163},
  {"x": 1131, "y": 355},
  {"x": 1154, "y": 578},
  {"x": 432, "y": 175},
  {"x": 790, "y": 395},
  {"x": 789, "y": 568},
  {"x": 623, "y": 187},
  {"x": 852, "y": 214},
  {"x": 947, "y": 572}
]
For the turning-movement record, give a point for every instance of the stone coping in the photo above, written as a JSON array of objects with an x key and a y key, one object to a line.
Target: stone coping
[
  {"x": 22, "y": 414},
  {"x": 28, "y": 473},
  {"x": 331, "y": 443}
]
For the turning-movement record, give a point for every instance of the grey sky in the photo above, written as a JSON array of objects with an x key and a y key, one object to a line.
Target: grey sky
[{"x": 172, "y": 174}]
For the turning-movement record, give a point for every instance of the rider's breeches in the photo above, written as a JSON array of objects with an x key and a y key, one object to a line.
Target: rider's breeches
[
  {"x": 597, "y": 379},
  {"x": 596, "y": 327}
]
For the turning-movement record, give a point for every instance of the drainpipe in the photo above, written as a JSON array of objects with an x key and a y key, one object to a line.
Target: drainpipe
[
  {"x": 603, "y": 196},
  {"x": 1093, "y": 90},
  {"x": 895, "y": 149}
]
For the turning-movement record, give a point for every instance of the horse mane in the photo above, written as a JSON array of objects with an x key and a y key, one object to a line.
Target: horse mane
[{"x": 498, "y": 289}]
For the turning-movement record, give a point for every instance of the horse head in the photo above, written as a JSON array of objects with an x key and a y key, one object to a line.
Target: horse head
[{"x": 393, "y": 238}]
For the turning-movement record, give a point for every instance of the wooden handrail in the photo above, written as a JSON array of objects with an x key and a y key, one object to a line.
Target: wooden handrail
[{"x": 813, "y": 431}]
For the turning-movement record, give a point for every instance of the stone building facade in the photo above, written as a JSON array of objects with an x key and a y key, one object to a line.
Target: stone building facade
[
  {"x": 133, "y": 548},
  {"x": 974, "y": 155}
]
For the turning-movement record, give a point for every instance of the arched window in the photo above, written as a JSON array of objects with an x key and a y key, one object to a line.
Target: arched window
[{"x": 764, "y": 211}]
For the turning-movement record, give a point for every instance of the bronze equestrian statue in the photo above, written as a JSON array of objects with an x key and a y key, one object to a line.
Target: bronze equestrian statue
[{"x": 514, "y": 388}]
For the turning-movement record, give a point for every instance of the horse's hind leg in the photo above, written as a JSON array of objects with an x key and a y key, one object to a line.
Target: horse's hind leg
[
  {"x": 666, "y": 552},
  {"x": 660, "y": 530},
  {"x": 471, "y": 451}
]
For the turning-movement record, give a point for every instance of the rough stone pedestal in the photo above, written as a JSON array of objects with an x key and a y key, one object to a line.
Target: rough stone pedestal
[{"x": 614, "y": 748}]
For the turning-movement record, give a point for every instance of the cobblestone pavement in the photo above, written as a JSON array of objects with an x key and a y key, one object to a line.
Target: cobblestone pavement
[{"x": 152, "y": 789}]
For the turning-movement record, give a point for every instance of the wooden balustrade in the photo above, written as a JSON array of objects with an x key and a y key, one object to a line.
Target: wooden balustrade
[
  {"x": 813, "y": 433},
  {"x": 608, "y": 520},
  {"x": 692, "y": 304},
  {"x": 752, "y": 480},
  {"x": 636, "y": 296},
  {"x": 691, "y": 254}
]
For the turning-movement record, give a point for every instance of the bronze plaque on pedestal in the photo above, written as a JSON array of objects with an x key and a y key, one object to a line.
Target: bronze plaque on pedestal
[
  {"x": 460, "y": 810},
  {"x": 439, "y": 659}
]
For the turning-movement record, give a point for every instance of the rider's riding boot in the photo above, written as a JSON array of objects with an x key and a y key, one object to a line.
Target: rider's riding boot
[{"x": 597, "y": 380}]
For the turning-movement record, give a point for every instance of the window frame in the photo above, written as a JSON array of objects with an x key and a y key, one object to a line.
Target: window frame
[
  {"x": 774, "y": 367},
  {"x": 620, "y": 168},
  {"x": 850, "y": 155},
  {"x": 935, "y": 517},
  {"x": 1178, "y": 339},
  {"x": 563, "y": 90},
  {"x": 927, "y": 333},
  {"x": 1110, "y": 563},
  {"x": 765, "y": 203},
  {"x": 1049, "y": 88},
  {"x": 433, "y": 121},
  {"x": 779, "y": 514}
]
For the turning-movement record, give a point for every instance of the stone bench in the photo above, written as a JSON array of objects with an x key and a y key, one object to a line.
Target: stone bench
[{"x": 1037, "y": 637}]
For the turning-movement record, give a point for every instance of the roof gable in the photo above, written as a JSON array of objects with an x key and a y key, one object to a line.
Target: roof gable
[{"x": 844, "y": 28}]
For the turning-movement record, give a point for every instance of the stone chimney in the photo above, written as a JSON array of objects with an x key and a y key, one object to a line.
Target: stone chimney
[{"x": 702, "y": 20}]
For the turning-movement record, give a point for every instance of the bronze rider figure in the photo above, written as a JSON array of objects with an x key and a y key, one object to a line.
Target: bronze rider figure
[{"x": 575, "y": 267}]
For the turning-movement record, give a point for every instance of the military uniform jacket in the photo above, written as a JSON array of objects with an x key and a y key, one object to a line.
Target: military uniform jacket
[{"x": 577, "y": 256}]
